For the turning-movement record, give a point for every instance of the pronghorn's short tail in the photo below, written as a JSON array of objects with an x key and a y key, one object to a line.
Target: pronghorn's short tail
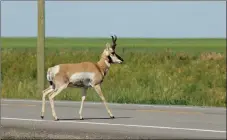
[{"x": 50, "y": 76}]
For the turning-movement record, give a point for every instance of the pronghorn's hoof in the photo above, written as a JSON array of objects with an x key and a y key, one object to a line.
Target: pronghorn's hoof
[
  {"x": 56, "y": 119},
  {"x": 81, "y": 118},
  {"x": 42, "y": 117},
  {"x": 112, "y": 117}
]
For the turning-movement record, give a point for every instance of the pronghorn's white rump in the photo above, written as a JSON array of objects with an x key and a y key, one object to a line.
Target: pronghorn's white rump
[
  {"x": 51, "y": 72},
  {"x": 81, "y": 75}
]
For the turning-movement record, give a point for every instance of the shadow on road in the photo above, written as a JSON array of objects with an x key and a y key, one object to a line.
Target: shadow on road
[{"x": 94, "y": 118}]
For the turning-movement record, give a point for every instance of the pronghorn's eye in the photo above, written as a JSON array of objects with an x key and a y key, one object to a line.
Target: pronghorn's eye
[{"x": 112, "y": 53}]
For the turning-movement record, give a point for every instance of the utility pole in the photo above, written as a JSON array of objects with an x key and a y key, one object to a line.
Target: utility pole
[{"x": 40, "y": 45}]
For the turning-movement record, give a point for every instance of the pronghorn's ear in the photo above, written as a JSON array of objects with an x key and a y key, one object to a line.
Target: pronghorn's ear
[{"x": 108, "y": 46}]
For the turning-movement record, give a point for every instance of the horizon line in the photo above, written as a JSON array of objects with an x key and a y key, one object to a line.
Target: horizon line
[{"x": 119, "y": 37}]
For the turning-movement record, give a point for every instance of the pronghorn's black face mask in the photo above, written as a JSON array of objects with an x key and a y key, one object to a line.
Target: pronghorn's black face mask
[
  {"x": 109, "y": 59},
  {"x": 114, "y": 58}
]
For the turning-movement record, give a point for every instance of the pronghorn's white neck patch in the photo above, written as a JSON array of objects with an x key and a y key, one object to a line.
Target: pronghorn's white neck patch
[{"x": 107, "y": 63}]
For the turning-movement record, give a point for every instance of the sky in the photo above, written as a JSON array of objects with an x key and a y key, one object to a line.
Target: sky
[{"x": 163, "y": 19}]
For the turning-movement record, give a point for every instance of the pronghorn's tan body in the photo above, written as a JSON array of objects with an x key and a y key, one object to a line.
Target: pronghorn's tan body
[
  {"x": 81, "y": 75},
  {"x": 84, "y": 74}
]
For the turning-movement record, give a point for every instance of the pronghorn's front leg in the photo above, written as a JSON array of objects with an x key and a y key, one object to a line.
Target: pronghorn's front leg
[
  {"x": 99, "y": 91},
  {"x": 51, "y": 97},
  {"x": 45, "y": 92},
  {"x": 84, "y": 91}
]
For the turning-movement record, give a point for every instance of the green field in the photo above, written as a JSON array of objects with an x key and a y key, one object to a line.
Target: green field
[
  {"x": 187, "y": 74},
  {"x": 137, "y": 44}
]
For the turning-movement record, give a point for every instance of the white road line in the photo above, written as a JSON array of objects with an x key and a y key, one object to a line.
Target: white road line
[
  {"x": 110, "y": 124},
  {"x": 118, "y": 104}
]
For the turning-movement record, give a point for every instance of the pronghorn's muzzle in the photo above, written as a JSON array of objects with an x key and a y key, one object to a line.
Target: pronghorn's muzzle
[{"x": 121, "y": 59}]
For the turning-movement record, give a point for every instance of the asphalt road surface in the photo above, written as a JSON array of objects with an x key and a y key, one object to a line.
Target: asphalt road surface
[{"x": 21, "y": 119}]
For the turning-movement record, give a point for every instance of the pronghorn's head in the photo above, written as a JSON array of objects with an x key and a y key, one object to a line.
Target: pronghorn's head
[{"x": 110, "y": 54}]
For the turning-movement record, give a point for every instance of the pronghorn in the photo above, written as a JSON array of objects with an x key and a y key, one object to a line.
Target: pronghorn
[{"x": 81, "y": 75}]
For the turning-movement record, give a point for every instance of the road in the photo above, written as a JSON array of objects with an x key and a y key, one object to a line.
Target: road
[{"x": 21, "y": 119}]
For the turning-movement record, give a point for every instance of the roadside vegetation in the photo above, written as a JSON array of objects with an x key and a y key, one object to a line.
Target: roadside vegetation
[{"x": 176, "y": 72}]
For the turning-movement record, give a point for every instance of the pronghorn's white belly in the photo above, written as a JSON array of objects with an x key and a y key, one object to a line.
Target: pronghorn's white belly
[{"x": 82, "y": 79}]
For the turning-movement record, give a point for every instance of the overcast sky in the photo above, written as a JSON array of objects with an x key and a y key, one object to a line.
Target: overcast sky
[{"x": 124, "y": 18}]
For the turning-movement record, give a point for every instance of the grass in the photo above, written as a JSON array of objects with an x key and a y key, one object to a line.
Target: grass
[
  {"x": 186, "y": 74},
  {"x": 215, "y": 44}
]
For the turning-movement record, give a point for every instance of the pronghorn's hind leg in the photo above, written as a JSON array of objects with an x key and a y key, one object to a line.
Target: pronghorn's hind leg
[
  {"x": 45, "y": 93},
  {"x": 61, "y": 83},
  {"x": 51, "y": 99},
  {"x": 47, "y": 89}
]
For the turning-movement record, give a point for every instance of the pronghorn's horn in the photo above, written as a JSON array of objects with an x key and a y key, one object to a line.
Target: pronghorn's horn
[
  {"x": 114, "y": 42},
  {"x": 115, "y": 38}
]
